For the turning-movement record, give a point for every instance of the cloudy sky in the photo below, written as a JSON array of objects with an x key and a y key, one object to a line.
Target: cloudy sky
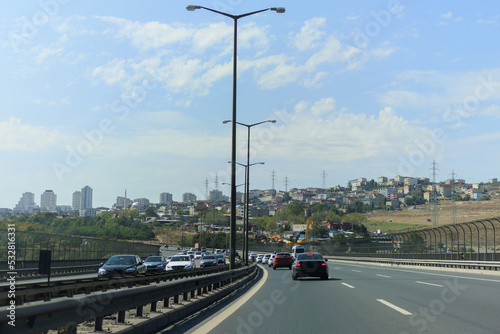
[{"x": 132, "y": 95}]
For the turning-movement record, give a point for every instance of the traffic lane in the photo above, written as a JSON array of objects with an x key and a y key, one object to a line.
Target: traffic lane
[
  {"x": 439, "y": 302},
  {"x": 310, "y": 306}
]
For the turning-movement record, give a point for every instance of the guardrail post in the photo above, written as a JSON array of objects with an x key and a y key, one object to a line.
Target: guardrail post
[
  {"x": 185, "y": 296},
  {"x": 176, "y": 299},
  {"x": 165, "y": 302},
  {"x": 98, "y": 323},
  {"x": 140, "y": 311},
  {"x": 153, "y": 307},
  {"x": 121, "y": 317},
  {"x": 193, "y": 294}
]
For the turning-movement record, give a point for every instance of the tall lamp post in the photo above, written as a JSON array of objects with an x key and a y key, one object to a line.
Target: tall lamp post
[
  {"x": 232, "y": 233},
  {"x": 246, "y": 215},
  {"x": 247, "y": 182}
]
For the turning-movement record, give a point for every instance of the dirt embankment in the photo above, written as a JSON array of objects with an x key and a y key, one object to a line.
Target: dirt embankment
[{"x": 464, "y": 212}]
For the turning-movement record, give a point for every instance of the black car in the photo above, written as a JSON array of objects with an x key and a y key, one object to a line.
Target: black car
[
  {"x": 310, "y": 265},
  {"x": 155, "y": 263},
  {"x": 122, "y": 265}
]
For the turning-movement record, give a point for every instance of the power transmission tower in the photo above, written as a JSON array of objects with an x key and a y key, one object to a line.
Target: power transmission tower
[
  {"x": 206, "y": 188},
  {"x": 286, "y": 183},
  {"x": 433, "y": 199},
  {"x": 216, "y": 181},
  {"x": 453, "y": 209},
  {"x": 323, "y": 174},
  {"x": 273, "y": 177}
]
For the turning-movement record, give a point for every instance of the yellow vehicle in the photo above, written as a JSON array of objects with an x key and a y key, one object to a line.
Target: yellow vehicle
[{"x": 306, "y": 238}]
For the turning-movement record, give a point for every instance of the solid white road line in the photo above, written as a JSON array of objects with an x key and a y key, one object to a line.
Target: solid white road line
[
  {"x": 394, "y": 307},
  {"x": 358, "y": 271},
  {"x": 231, "y": 308},
  {"x": 432, "y": 284},
  {"x": 347, "y": 285},
  {"x": 383, "y": 276}
]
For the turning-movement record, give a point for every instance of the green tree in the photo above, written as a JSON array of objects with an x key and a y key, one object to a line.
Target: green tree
[
  {"x": 318, "y": 230},
  {"x": 295, "y": 208},
  {"x": 150, "y": 212}
]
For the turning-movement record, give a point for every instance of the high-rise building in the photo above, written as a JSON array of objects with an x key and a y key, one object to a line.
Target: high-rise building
[
  {"x": 165, "y": 198},
  {"x": 77, "y": 200},
  {"x": 26, "y": 203},
  {"x": 121, "y": 203},
  {"x": 216, "y": 195},
  {"x": 86, "y": 198},
  {"x": 48, "y": 200},
  {"x": 188, "y": 198}
]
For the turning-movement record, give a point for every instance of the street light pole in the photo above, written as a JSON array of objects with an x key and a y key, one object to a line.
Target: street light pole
[
  {"x": 232, "y": 232},
  {"x": 247, "y": 183}
]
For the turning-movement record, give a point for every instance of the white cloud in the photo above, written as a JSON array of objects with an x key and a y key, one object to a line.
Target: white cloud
[
  {"x": 492, "y": 110},
  {"x": 338, "y": 136},
  {"x": 447, "y": 15},
  {"x": 150, "y": 35},
  {"x": 15, "y": 136},
  {"x": 309, "y": 34},
  {"x": 111, "y": 73}
]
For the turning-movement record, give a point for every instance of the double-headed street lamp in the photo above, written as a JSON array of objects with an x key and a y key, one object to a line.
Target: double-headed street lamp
[
  {"x": 247, "y": 181},
  {"x": 246, "y": 215},
  {"x": 232, "y": 233}
]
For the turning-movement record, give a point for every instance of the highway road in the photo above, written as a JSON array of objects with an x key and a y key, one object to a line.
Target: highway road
[{"x": 359, "y": 298}]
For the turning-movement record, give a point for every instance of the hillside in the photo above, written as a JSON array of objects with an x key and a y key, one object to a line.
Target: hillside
[{"x": 391, "y": 221}]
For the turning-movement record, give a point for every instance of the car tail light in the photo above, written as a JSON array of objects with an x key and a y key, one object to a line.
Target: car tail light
[
  {"x": 297, "y": 264},
  {"x": 323, "y": 264}
]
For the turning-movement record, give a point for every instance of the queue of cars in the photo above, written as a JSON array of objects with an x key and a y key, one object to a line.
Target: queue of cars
[
  {"x": 132, "y": 265},
  {"x": 300, "y": 262}
]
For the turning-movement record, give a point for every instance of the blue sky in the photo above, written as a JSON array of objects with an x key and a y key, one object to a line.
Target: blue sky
[{"x": 126, "y": 95}]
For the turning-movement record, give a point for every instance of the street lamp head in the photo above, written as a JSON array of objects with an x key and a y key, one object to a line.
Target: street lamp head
[
  {"x": 192, "y": 7},
  {"x": 272, "y": 121},
  {"x": 278, "y": 9},
  {"x": 225, "y": 122}
]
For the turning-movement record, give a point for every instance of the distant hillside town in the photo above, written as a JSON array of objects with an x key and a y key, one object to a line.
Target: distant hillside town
[{"x": 383, "y": 193}]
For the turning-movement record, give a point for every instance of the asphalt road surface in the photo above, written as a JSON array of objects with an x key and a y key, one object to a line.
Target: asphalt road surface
[{"x": 359, "y": 298}]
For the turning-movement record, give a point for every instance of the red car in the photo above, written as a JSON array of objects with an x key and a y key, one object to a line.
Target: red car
[{"x": 282, "y": 260}]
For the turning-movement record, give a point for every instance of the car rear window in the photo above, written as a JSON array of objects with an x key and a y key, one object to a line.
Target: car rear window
[
  {"x": 282, "y": 255},
  {"x": 309, "y": 256}
]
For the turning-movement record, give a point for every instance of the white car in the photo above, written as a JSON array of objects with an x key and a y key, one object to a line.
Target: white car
[
  {"x": 179, "y": 262},
  {"x": 259, "y": 258},
  {"x": 198, "y": 255},
  {"x": 271, "y": 260}
]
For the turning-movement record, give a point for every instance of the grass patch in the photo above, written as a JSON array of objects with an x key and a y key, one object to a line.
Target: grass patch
[{"x": 387, "y": 227}]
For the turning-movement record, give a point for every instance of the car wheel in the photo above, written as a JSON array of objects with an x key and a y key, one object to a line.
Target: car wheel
[
  {"x": 324, "y": 277},
  {"x": 274, "y": 267},
  {"x": 290, "y": 268},
  {"x": 294, "y": 277}
]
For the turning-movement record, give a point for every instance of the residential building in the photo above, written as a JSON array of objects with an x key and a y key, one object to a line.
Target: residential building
[
  {"x": 77, "y": 200},
  {"x": 188, "y": 198},
  {"x": 165, "y": 198},
  {"x": 86, "y": 198},
  {"x": 122, "y": 202},
  {"x": 48, "y": 201},
  {"x": 26, "y": 203},
  {"x": 215, "y": 196}
]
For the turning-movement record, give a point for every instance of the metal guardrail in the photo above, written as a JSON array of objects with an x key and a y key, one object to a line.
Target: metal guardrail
[
  {"x": 477, "y": 265},
  {"x": 67, "y": 313},
  {"x": 29, "y": 292}
]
